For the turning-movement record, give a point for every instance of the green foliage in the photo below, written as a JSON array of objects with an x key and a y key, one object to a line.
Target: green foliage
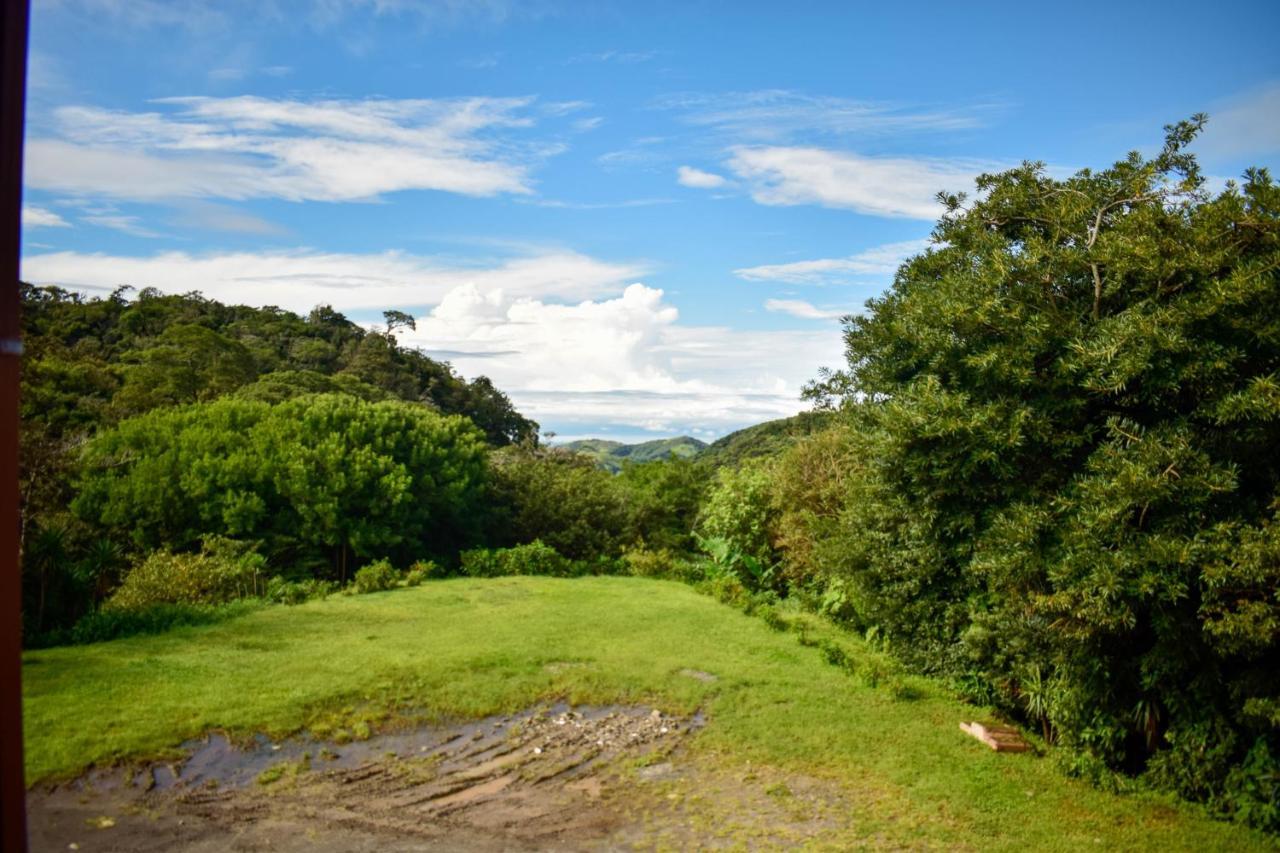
[
  {"x": 323, "y": 475},
  {"x": 424, "y": 570},
  {"x": 738, "y": 510},
  {"x": 115, "y": 623},
  {"x": 1062, "y": 465},
  {"x": 280, "y": 590},
  {"x": 663, "y": 500},
  {"x": 221, "y": 572},
  {"x": 533, "y": 558},
  {"x": 761, "y": 441},
  {"x": 376, "y": 577},
  {"x": 559, "y": 498},
  {"x": 646, "y": 563}
]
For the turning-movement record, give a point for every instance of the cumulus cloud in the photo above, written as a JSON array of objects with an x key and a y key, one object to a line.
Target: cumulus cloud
[
  {"x": 688, "y": 176},
  {"x": 878, "y": 186},
  {"x": 800, "y": 308},
  {"x": 299, "y": 280},
  {"x": 39, "y": 217},
  {"x": 251, "y": 147},
  {"x": 623, "y": 361},
  {"x": 878, "y": 261}
]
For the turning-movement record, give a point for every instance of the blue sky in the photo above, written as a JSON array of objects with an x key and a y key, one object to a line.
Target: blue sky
[{"x": 640, "y": 219}]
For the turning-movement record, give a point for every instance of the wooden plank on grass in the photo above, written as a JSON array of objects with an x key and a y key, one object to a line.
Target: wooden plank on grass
[{"x": 999, "y": 738}]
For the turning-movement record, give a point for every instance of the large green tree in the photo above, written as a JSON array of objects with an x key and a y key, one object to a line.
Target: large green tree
[
  {"x": 1070, "y": 414},
  {"x": 317, "y": 475}
]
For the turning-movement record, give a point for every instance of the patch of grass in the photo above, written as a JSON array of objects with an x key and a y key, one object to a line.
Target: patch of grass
[{"x": 466, "y": 648}]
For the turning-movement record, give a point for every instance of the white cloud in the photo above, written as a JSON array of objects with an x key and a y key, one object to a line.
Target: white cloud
[
  {"x": 39, "y": 217},
  {"x": 623, "y": 361},
  {"x": 250, "y": 147},
  {"x": 583, "y": 125},
  {"x": 779, "y": 114},
  {"x": 800, "y": 308},
  {"x": 687, "y": 176},
  {"x": 878, "y": 186},
  {"x": 1244, "y": 126},
  {"x": 299, "y": 280},
  {"x": 878, "y": 261}
]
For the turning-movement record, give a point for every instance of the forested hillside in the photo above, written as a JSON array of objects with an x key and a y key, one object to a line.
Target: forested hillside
[
  {"x": 612, "y": 455},
  {"x": 767, "y": 439},
  {"x": 111, "y": 381}
]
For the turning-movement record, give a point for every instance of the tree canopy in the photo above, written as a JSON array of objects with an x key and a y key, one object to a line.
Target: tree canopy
[
  {"x": 1068, "y": 474},
  {"x": 317, "y": 476}
]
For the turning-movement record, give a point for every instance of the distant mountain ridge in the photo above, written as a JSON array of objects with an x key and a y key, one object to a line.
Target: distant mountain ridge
[
  {"x": 764, "y": 439},
  {"x": 611, "y": 454}
]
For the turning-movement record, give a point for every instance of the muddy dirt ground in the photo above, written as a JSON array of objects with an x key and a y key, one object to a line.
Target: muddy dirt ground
[{"x": 556, "y": 778}]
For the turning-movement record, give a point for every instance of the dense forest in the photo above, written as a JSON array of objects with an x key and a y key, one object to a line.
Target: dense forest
[{"x": 1049, "y": 472}]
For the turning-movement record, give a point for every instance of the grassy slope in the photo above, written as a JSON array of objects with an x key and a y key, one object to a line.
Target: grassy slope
[{"x": 467, "y": 647}]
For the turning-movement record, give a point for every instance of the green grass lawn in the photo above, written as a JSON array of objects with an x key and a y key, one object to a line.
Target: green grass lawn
[{"x": 471, "y": 648}]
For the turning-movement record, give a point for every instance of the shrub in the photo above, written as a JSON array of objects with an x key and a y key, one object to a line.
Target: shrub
[
  {"x": 222, "y": 572},
  {"x": 113, "y": 624},
  {"x": 738, "y": 511},
  {"x": 282, "y": 591},
  {"x": 644, "y": 563},
  {"x": 535, "y": 558},
  {"x": 376, "y": 577},
  {"x": 424, "y": 570}
]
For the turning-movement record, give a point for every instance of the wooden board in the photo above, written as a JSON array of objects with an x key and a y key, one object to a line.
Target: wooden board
[{"x": 999, "y": 738}]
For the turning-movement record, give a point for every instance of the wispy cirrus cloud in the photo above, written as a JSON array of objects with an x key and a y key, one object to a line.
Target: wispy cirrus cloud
[
  {"x": 124, "y": 223},
  {"x": 203, "y": 15},
  {"x": 878, "y": 186},
  {"x": 776, "y": 115},
  {"x": 39, "y": 217},
  {"x": 877, "y": 261},
  {"x": 598, "y": 205},
  {"x": 619, "y": 57},
  {"x": 803, "y": 310},
  {"x": 252, "y": 147}
]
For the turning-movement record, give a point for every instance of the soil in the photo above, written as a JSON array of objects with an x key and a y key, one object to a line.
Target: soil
[{"x": 556, "y": 778}]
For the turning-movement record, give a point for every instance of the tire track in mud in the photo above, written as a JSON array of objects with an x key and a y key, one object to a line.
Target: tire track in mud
[{"x": 527, "y": 781}]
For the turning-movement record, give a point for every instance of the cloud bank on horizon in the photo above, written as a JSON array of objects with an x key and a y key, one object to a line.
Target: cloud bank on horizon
[{"x": 633, "y": 230}]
